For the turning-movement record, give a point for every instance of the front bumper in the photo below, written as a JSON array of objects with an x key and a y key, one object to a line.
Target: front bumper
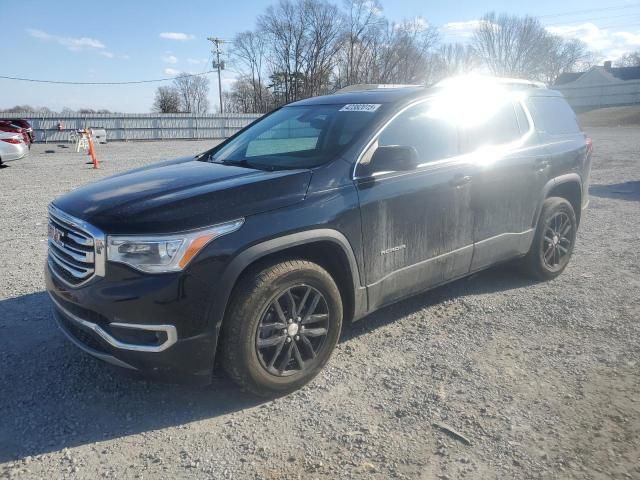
[{"x": 155, "y": 324}]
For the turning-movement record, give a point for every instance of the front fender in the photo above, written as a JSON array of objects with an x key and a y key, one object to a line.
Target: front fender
[{"x": 254, "y": 253}]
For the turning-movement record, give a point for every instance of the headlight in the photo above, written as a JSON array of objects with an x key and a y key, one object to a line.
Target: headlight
[{"x": 164, "y": 253}]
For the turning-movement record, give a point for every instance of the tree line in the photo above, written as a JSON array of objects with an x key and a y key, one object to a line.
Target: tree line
[{"x": 303, "y": 48}]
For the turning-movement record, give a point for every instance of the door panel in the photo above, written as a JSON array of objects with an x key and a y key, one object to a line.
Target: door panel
[
  {"x": 417, "y": 226},
  {"x": 506, "y": 191},
  {"x": 417, "y": 230}
]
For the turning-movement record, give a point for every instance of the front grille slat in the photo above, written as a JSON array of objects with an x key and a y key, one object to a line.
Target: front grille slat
[
  {"x": 84, "y": 258},
  {"x": 71, "y": 250},
  {"x": 71, "y": 269}
]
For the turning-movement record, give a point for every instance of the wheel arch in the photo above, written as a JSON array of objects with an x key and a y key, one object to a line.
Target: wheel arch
[
  {"x": 569, "y": 187},
  {"x": 327, "y": 247}
]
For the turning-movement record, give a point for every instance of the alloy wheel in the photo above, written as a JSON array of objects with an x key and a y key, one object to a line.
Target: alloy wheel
[
  {"x": 557, "y": 241},
  {"x": 292, "y": 330}
]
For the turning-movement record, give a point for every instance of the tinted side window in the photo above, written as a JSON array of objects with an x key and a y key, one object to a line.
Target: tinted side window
[
  {"x": 434, "y": 139},
  {"x": 553, "y": 115},
  {"x": 501, "y": 127}
]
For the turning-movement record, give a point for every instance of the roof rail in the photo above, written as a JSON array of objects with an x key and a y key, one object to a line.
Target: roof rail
[
  {"x": 508, "y": 82},
  {"x": 361, "y": 87}
]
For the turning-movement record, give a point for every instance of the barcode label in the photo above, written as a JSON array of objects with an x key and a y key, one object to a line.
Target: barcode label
[{"x": 360, "y": 107}]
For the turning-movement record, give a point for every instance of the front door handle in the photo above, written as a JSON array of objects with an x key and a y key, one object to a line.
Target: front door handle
[{"x": 460, "y": 180}]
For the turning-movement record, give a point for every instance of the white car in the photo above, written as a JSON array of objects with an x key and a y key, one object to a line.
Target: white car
[{"x": 12, "y": 147}]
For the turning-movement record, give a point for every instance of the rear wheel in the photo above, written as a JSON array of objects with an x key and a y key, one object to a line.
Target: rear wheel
[
  {"x": 554, "y": 240},
  {"x": 281, "y": 327}
]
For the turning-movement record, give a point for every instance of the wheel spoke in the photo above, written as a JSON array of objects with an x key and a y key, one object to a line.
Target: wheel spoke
[
  {"x": 273, "y": 326},
  {"x": 296, "y": 354},
  {"x": 562, "y": 249},
  {"x": 292, "y": 304},
  {"x": 312, "y": 307},
  {"x": 566, "y": 229},
  {"x": 271, "y": 341},
  {"x": 549, "y": 252},
  {"x": 307, "y": 343},
  {"x": 286, "y": 358},
  {"x": 548, "y": 239},
  {"x": 279, "y": 311},
  {"x": 303, "y": 301},
  {"x": 315, "y": 318},
  {"x": 315, "y": 332},
  {"x": 277, "y": 353}
]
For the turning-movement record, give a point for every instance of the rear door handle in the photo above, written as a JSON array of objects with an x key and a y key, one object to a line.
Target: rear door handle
[{"x": 460, "y": 180}]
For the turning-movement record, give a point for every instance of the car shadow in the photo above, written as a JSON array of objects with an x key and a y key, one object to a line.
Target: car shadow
[
  {"x": 55, "y": 397},
  {"x": 496, "y": 279},
  {"x": 629, "y": 191}
]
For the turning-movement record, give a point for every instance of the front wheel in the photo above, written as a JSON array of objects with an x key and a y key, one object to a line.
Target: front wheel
[
  {"x": 282, "y": 325},
  {"x": 554, "y": 240}
]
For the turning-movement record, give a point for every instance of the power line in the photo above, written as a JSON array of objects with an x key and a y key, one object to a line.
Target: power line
[
  {"x": 600, "y": 27},
  {"x": 578, "y": 12},
  {"x": 62, "y": 82},
  {"x": 592, "y": 19}
]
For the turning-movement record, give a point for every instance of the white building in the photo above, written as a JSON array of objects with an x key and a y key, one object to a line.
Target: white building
[{"x": 601, "y": 86}]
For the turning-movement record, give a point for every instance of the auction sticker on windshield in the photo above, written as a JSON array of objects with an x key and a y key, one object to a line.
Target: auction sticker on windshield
[{"x": 360, "y": 107}]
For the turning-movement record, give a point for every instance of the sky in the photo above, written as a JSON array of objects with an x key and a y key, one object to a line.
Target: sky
[{"x": 118, "y": 40}]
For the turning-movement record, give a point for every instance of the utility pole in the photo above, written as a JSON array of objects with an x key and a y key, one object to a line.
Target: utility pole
[{"x": 220, "y": 66}]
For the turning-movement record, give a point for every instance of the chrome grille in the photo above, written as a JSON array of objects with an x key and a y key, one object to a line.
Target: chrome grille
[{"x": 73, "y": 249}]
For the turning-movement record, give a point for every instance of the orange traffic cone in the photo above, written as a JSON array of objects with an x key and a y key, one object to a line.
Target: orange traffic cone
[{"x": 92, "y": 149}]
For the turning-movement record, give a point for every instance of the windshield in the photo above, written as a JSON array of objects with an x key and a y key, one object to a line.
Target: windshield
[{"x": 298, "y": 136}]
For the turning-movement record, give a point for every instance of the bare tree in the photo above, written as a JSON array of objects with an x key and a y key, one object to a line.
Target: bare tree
[
  {"x": 249, "y": 49},
  {"x": 323, "y": 30},
  {"x": 631, "y": 59},
  {"x": 522, "y": 47},
  {"x": 405, "y": 54},
  {"x": 20, "y": 108},
  {"x": 284, "y": 26},
  {"x": 241, "y": 96},
  {"x": 454, "y": 59},
  {"x": 363, "y": 27},
  {"x": 561, "y": 56},
  {"x": 167, "y": 100},
  {"x": 511, "y": 46},
  {"x": 193, "y": 91}
]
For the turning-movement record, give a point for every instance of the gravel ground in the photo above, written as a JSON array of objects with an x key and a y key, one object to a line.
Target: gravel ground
[{"x": 540, "y": 380}]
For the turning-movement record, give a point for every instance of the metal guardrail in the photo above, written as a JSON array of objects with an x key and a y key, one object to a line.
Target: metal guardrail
[{"x": 126, "y": 127}]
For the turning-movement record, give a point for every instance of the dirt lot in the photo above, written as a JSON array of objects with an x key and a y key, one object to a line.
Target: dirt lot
[{"x": 543, "y": 380}]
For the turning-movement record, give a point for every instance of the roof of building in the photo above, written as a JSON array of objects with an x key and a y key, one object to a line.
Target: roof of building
[
  {"x": 621, "y": 73},
  {"x": 568, "y": 77}
]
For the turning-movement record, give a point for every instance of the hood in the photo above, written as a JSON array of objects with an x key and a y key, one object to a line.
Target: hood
[{"x": 182, "y": 194}]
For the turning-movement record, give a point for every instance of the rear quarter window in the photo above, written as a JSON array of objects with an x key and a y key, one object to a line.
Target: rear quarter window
[{"x": 553, "y": 115}]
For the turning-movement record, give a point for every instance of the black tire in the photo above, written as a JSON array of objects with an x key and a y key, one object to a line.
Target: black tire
[
  {"x": 553, "y": 242},
  {"x": 244, "y": 356}
]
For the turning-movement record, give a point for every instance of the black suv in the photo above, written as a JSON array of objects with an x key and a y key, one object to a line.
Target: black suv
[{"x": 255, "y": 253}]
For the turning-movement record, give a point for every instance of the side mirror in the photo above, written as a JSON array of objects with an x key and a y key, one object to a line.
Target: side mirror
[{"x": 394, "y": 158}]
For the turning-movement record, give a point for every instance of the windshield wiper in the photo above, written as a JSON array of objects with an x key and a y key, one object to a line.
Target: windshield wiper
[
  {"x": 244, "y": 164},
  {"x": 235, "y": 163}
]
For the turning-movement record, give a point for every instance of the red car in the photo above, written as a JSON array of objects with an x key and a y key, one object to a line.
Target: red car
[{"x": 15, "y": 126}]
